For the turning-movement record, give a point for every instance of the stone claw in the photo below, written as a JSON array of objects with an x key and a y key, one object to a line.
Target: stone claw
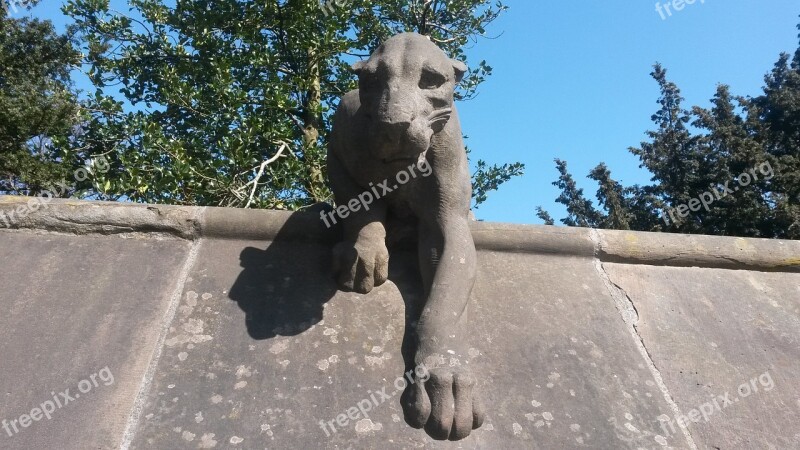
[
  {"x": 361, "y": 266},
  {"x": 444, "y": 404}
]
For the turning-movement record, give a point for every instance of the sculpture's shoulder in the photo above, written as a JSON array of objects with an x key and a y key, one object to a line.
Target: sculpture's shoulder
[
  {"x": 349, "y": 104},
  {"x": 344, "y": 121}
]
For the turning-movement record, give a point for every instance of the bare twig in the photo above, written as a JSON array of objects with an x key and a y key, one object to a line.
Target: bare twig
[{"x": 264, "y": 164}]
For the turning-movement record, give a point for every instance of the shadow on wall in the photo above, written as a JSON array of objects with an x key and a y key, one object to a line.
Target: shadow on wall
[{"x": 283, "y": 288}]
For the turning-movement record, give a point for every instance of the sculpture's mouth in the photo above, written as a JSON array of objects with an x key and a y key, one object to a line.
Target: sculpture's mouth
[
  {"x": 407, "y": 159},
  {"x": 404, "y": 142},
  {"x": 395, "y": 159}
]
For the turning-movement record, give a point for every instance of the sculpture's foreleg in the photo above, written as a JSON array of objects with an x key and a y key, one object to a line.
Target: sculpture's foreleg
[
  {"x": 443, "y": 402},
  {"x": 361, "y": 260}
]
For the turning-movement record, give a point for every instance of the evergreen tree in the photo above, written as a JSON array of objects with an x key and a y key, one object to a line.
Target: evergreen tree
[
  {"x": 580, "y": 212},
  {"x": 714, "y": 171}
]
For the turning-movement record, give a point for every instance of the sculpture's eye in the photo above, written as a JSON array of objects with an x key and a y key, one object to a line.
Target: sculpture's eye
[
  {"x": 431, "y": 79},
  {"x": 369, "y": 82}
]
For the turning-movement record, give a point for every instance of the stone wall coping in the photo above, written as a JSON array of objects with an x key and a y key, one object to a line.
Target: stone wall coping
[{"x": 190, "y": 222}]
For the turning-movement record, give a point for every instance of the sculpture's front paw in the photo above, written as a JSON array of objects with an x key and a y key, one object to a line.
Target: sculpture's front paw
[
  {"x": 444, "y": 404},
  {"x": 360, "y": 266}
]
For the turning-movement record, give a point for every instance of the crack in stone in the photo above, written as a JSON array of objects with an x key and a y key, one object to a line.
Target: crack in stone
[{"x": 630, "y": 315}]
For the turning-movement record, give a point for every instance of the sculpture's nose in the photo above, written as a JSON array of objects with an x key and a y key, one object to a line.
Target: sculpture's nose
[
  {"x": 396, "y": 110},
  {"x": 394, "y": 131},
  {"x": 396, "y": 126}
]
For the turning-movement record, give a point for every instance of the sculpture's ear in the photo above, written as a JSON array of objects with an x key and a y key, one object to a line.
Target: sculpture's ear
[
  {"x": 459, "y": 68},
  {"x": 358, "y": 67}
]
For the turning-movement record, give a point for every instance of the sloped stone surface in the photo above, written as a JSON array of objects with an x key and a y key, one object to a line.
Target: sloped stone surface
[
  {"x": 264, "y": 348},
  {"x": 238, "y": 338},
  {"x": 72, "y": 307},
  {"x": 714, "y": 332}
]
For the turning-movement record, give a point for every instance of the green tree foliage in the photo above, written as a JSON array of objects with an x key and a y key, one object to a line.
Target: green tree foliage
[
  {"x": 488, "y": 178},
  {"x": 38, "y": 110},
  {"x": 580, "y": 212},
  {"x": 228, "y": 102},
  {"x": 694, "y": 154}
]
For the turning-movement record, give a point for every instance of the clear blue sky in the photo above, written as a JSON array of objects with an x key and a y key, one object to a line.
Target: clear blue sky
[{"x": 571, "y": 81}]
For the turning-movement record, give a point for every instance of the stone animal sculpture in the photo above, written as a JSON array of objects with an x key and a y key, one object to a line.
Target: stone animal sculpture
[{"x": 402, "y": 121}]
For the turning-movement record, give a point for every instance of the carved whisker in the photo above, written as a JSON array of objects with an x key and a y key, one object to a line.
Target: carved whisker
[
  {"x": 440, "y": 114},
  {"x": 440, "y": 117}
]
